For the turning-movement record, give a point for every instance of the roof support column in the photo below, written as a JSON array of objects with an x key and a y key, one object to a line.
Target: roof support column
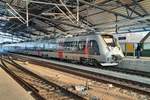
[
  {"x": 145, "y": 38},
  {"x": 77, "y": 11},
  {"x": 27, "y": 13}
]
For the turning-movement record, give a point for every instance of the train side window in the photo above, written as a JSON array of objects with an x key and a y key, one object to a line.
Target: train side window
[
  {"x": 68, "y": 46},
  {"x": 93, "y": 47},
  {"x": 65, "y": 45},
  {"x": 81, "y": 46}
]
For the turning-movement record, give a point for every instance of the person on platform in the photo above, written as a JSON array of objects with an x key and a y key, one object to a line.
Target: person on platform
[{"x": 138, "y": 50}]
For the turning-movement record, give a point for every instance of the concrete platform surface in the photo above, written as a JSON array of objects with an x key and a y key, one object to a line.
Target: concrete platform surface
[
  {"x": 10, "y": 89},
  {"x": 142, "y": 64},
  {"x": 134, "y": 58}
]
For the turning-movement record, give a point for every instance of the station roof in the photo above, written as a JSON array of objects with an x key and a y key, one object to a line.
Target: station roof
[{"x": 34, "y": 19}]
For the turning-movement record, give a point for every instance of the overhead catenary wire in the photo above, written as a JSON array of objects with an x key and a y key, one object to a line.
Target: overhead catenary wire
[
  {"x": 68, "y": 10},
  {"x": 64, "y": 14},
  {"x": 16, "y": 16},
  {"x": 15, "y": 12}
]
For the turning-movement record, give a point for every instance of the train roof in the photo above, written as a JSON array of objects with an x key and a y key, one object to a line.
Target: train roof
[{"x": 76, "y": 38}]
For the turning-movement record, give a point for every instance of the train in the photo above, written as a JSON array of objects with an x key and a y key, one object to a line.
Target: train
[{"x": 101, "y": 49}]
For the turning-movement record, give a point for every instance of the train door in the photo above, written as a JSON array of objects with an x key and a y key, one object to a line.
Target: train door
[
  {"x": 60, "y": 52},
  {"x": 85, "y": 50}
]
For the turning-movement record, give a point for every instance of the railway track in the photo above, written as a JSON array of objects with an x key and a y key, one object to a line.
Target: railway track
[
  {"x": 40, "y": 88},
  {"x": 128, "y": 71},
  {"x": 115, "y": 69},
  {"x": 137, "y": 86}
]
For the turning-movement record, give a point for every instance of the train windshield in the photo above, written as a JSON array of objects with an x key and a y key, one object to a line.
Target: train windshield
[{"x": 110, "y": 41}]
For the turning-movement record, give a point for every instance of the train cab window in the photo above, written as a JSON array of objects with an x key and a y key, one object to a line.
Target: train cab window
[
  {"x": 93, "y": 48},
  {"x": 110, "y": 41}
]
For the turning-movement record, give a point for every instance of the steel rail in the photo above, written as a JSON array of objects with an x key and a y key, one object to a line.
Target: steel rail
[
  {"x": 124, "y": 83},
  {"x": 24, "y": 84},
  {"x": 62, "y": 89},
  {"x": 128, "y": 71},
  {"x": 116, "y": 69}
]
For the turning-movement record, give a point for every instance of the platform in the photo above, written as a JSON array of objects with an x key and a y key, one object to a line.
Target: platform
[
  {"x": 10, "y": 89},
  {"x": 142, "y": 64}
]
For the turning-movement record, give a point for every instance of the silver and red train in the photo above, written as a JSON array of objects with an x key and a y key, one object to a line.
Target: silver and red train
[{"x": 101, "y": 49}]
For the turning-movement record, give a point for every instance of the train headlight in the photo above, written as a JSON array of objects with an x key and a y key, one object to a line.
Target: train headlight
[{"x": 114, "y": 57}]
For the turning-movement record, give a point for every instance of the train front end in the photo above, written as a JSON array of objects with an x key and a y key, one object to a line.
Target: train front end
[{"x": 113, "y": 51}]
